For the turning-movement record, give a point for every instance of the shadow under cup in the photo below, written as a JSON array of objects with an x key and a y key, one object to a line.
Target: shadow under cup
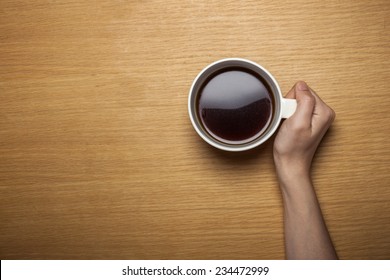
[{"x": 235, "y": 104}]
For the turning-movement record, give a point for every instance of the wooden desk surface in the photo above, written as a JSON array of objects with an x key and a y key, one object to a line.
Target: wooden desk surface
[{"x": 98, "y": 158}]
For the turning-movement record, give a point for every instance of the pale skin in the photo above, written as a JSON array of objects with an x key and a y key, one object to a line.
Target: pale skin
[{"x": 306, "y": 234}]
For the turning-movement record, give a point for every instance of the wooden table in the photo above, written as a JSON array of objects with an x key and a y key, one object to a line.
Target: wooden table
[{"x": 98, "y": 158}]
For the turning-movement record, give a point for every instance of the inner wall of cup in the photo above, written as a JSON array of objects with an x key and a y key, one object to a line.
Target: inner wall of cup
[{"x": 202, "y": 78}]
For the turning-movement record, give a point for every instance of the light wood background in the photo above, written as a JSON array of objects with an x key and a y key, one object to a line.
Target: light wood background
[{"x": 98, "y": 158}]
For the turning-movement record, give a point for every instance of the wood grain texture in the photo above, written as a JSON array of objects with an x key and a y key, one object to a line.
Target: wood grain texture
[{"x": 98, "y": 159}]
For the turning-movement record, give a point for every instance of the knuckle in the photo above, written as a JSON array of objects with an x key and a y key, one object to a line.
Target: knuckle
[
  {"x": 307, "y": 97},
  {"x": 329, "y": 114},
  {"x": 308, "y": 100},
  {"x": 298, "y": 127},
  {"x": 333, "y": 114}
]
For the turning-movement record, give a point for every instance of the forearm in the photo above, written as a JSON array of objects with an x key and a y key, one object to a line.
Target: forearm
[{"x": 306, "y": 235}]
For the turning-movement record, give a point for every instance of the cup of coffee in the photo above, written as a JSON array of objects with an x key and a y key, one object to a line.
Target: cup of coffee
[{"x": 235, "y": 104}]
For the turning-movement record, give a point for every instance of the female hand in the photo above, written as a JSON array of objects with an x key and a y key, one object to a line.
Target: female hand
[
  {"x": 306, "y": 234},
  {"x": 300, "y": 135}
]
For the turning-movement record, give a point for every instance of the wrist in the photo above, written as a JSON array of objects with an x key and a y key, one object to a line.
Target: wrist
[
  {"x": 295, "y": 184},
  {"x": 291, "y": 170},
  {"x": 298, "y": 195},
  {"x": 294, "y": 181}
]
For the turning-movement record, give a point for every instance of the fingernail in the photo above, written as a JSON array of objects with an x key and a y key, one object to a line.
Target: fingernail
[{"x": 302, "y": 86}]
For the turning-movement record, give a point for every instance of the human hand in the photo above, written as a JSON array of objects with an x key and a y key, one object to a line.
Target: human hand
[
  {"x": 306, "y": 234},
  {"x": 300, "y": 135}
]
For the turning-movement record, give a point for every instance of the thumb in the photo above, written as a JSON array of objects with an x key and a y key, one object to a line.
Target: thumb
[{"x": 305, "y": 104}]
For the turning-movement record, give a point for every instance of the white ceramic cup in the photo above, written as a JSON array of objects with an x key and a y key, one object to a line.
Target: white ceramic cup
[{"x": 283, "y": 108}]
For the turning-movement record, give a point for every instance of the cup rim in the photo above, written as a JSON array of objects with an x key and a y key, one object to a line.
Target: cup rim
[{"x": 243, "y": 147}]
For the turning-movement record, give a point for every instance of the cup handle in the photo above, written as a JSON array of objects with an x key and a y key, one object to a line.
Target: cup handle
[{"x": 288, "y": 107}]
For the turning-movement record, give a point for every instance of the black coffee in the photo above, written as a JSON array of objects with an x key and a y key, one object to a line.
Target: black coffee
[{"x": 235, "y": 105}]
